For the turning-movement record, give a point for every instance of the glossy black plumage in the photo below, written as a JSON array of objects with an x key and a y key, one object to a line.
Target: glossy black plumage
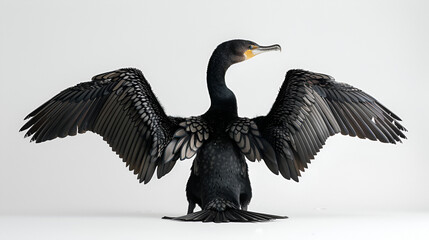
[
  {"x": 121, "y": 107},
  {"x": 118, "y": 105}
]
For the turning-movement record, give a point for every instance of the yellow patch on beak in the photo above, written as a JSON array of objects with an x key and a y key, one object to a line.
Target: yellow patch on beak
[{"x": 249, "y": 54}]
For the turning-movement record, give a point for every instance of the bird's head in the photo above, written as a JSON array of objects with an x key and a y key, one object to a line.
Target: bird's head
[{"x": 240, "y": 50}]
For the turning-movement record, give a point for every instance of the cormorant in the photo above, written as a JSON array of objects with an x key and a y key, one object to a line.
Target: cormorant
[{"x": 121, "y": 107}]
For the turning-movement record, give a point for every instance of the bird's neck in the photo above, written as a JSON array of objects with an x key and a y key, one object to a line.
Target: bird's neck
[{"x": 222, "y": 98}]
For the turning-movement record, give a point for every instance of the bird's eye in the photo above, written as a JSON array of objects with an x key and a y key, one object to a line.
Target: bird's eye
[{"x": 251, "y": 47}]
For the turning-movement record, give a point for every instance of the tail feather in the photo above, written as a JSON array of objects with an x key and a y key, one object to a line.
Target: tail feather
[{"x": 229, "y": 215}]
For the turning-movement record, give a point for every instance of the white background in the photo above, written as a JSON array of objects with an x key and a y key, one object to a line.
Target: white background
[{"x": 78, "y": 188}]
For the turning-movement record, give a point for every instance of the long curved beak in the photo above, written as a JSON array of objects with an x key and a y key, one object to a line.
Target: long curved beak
[{"x": 261, "y": 49}]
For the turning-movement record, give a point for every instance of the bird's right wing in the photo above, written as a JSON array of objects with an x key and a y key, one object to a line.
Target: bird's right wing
[
  {"x": 121, "y": 107},
  {"x": 309, "y": 108}
]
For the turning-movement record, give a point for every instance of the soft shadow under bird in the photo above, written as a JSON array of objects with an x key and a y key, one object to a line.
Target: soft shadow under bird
[{"x": 121, "y": 107}]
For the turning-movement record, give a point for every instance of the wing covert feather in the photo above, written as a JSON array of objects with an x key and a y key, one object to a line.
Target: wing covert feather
[{"x": 246, "y": 135}]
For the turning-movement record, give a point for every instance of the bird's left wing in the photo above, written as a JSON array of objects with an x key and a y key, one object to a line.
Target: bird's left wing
[
  {"x": 309, "y": 108},
  {"x": 121, "y": 107}
]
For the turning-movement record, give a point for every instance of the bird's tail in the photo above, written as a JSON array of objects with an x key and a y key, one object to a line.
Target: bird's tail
[{"x": 229, "y": 215}]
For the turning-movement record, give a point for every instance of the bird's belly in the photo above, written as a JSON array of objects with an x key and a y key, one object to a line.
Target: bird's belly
[{"x": 221, "y": 171}]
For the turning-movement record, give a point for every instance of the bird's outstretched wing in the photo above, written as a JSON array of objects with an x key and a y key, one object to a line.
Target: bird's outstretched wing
[
  {"x": 311, "y": 107},
  {"x": 121, "y": 107}
]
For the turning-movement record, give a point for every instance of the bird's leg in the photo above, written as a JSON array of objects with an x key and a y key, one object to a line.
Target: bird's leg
[
  {"x": 191, "y": 207},
  {"x": 245, "y": 198}
]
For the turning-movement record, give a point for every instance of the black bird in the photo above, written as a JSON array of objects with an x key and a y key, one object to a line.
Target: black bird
[{"x": 121, "y": 107}]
